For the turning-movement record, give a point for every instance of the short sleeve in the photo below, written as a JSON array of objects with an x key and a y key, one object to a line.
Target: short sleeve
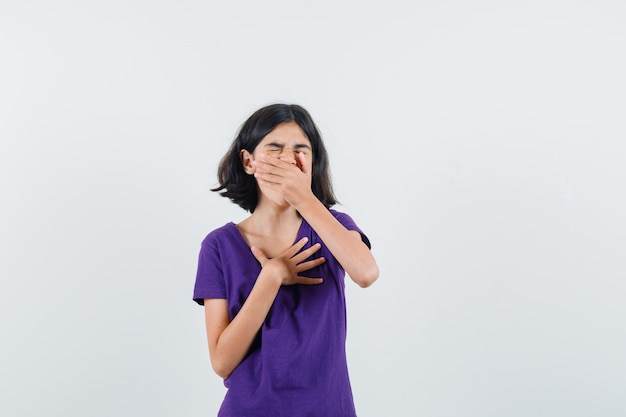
[
  {"x": 210, "y": 276},
  {"x": 349, "y": 224}
]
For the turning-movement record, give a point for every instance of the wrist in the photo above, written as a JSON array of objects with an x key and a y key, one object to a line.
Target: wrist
[
  {"x": 306, "y": 204},
  {"x": 269, "y": 280}
]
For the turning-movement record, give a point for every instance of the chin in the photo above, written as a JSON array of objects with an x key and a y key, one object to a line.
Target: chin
[{"x": 274, "y": 198}]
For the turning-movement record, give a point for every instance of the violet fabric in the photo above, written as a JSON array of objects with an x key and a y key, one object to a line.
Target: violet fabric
[{"x": 296, "y": 366}]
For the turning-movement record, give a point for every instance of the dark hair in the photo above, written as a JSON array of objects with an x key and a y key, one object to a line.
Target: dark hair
[{"x": 240, "y": 187}]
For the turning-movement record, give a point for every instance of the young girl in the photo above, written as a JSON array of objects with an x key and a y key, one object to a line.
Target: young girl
[{"x": 272, "y": 286}]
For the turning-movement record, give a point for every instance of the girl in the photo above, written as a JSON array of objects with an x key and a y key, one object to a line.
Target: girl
[{"x": 275, "y": 309}]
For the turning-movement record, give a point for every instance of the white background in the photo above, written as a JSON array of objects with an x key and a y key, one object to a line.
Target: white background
[{"x": 481, "y": 145}]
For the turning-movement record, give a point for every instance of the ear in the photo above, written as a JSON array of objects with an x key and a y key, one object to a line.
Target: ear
[{"x": 246, "y": 160}]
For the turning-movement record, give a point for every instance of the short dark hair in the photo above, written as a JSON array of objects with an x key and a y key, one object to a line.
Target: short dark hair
[{"x": 241, "y": 188}]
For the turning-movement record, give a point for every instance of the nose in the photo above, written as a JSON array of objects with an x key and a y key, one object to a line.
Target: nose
[{"x": 288, "y": 156}]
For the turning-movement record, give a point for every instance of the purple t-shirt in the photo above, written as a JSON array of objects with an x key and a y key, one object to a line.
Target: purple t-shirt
[{"x": 296, "y": 366}]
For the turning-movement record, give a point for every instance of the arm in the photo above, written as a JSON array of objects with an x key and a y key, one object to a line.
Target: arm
[
  {"x": 229, "y": 341},
  {"x": 293, "y": 180},
  {"x": 346, "y": 245}
]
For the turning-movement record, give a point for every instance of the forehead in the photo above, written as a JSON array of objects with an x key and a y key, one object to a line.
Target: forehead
[{"x": 288, "y": 134}]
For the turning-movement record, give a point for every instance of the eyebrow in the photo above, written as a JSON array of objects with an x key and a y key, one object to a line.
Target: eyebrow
[{"x": 281, "y": 145}]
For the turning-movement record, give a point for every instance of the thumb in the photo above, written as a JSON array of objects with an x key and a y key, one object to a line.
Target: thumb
[
  {"x": 301, "y": 162},
  {"x": 259, "y": 255}
]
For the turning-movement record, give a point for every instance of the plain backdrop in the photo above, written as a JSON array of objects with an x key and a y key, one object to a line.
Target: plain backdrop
[{"x": 480, "y": 145}]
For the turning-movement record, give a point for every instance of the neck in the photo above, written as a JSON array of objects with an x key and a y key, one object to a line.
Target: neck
[{"x": 271, "y": 219}]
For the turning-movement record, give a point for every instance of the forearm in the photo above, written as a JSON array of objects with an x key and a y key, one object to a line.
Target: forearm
[
  {"x": 230, "y": 340},
  {"x": 235, "y": 340},
  {"x": 353, "y": 255}
]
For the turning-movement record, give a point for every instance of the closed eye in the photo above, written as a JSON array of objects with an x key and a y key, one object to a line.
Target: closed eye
[{"x": 276, "y": 149}]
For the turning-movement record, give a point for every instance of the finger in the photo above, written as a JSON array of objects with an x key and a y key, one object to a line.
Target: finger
[
  {"x": 297, "y": 258},
  {"x": 305, "y": 266},
  {"x": 301, "y": 162},
  {"x": 278, "y": 165},
  {"x": 269, "y": 162},
  {"x": 295, "y": 248},
  {"x": 272, "y": 172},
  {"x": 307, "y": 281},
  {"x": 267, "y": 169},
  {"x": 268, "y": 178},
  {"x": 259, "y": 255},
  {"x": 289, "y": 159}
]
